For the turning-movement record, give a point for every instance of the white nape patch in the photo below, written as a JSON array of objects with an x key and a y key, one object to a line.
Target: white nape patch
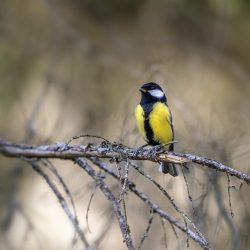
[{"x": 156, "y": 93}]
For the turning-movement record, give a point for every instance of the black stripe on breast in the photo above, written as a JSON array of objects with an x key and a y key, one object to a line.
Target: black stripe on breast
[{"x": 149, "y": 132}]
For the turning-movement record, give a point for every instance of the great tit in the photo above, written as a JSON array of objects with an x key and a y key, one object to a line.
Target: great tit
[{"x": 154, "y": 121}]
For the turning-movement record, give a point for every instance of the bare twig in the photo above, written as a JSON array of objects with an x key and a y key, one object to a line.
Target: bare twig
[
  {"x": 85, "y": 136},
  {"x": 124, "y": 180},
  {"x": 199, "y": 238},
  {"x": 145, "y": 235},
  {"x": 88, "y": 208},
  {"x": 229, "y": 196},
  {"x": 62, "y": 202},
  {"x": 223, "y": 211},
  {"x": 115, "y": 204},
  {"x": 188, "y": 191},
  {"x": 167, "y": 195},
  {"x": 165, "y": 242},
  {"x": 52, "y": 168}
]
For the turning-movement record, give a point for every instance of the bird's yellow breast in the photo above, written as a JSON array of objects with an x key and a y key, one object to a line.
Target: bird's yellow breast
[
  {"x": 139, "y": 115},
  {"x": 160, "y": 123}
]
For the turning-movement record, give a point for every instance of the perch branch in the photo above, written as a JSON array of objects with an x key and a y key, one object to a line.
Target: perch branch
[{"x": 112, "y": 151}]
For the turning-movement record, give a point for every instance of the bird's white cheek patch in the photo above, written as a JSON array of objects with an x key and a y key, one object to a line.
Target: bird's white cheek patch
[{"x": 156, "y": 93}]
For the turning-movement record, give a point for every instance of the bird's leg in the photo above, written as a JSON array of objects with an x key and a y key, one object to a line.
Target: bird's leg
[{"x": 161, "y": 147}]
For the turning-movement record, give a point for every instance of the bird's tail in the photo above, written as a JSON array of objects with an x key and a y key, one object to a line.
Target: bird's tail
[{"x": 169, "y": 168}]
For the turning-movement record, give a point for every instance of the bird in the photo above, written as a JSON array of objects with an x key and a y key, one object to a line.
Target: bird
[{"x": 154, "y": 121}]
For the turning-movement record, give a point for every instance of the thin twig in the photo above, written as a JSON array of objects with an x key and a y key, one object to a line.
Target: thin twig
[
  {"x": 88, "y": 208},
  {"x": 188, "y": 191},
  {"x": 62, "y": 202},
  {"x": 223, "y": 211},
  {"x": 124, "y": 180},
  {"x": 165, "y": 242},
  {"x": 167, "y": 195},
  {"x": 200, "y": 239},
  {"x": 52, "y": 168},
  {"x": 110, "y": 196},
  {"x": 124, "y": 192},
  {"x": 187, "y": 240},
  {"x": 229, "y": 196},
  {"x": 145, "y": 235},
  {"x": 84, "y": 136}
]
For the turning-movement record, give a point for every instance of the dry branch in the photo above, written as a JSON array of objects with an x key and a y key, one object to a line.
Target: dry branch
[
  {"x": 112, "y": 151},
  {"x": 115, "y": 204},
  {"x": 196, "y": 235},
  {"x": 118, "y": 152}
]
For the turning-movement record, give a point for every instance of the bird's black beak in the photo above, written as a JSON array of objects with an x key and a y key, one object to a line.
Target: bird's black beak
[{"x": 143, "y": 90}]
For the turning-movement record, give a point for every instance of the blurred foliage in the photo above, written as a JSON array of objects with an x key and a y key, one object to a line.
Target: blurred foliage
[
  {"x": 70, "y": 67},
  {"x": 110, "y": 10}
]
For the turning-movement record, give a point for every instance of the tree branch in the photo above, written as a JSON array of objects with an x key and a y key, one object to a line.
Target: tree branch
[
  {"x": 196, "y": 235},
  {"x": 118, "y": 152},
  {"x": 113, "y": 151}
]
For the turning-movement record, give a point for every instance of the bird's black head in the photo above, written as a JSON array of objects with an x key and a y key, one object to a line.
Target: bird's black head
[{"x": 152, "y": 92}]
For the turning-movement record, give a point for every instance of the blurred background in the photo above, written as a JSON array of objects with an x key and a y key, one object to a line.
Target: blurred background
[{"x": 75, "y": 67}]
